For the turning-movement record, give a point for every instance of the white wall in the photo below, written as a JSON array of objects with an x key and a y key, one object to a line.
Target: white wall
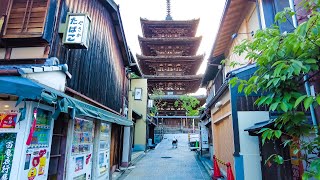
[
  {"x": 53, "y": 79},
  {"x": 249, "y": 145}
]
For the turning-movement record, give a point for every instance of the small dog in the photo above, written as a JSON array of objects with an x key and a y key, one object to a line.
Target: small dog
[{"x": 174, "y": 143}]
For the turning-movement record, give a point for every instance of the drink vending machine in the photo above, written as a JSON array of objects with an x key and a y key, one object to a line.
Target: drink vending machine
[
  {"x": 25, "y": 140},
  {"x": 104, "y": 151},
  {"x": 80, "y": 157}
]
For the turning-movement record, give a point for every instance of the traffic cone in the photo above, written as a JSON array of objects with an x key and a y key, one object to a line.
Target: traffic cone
[
  {"x": 229, "y": 172},
  {"x": 216, "y": 169}
]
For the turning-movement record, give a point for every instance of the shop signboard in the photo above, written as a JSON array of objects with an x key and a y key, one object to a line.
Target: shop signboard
[
  {"x": 204, "y": 137},
  {"x": 7, "y": 146},
  {"x": 77, "y": 31},
  {"x": 8, "y": 120}
]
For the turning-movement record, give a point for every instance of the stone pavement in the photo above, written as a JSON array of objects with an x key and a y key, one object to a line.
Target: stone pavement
[
  {"x": 166, "y": 163},
  {"x": 206, "y": 162}
]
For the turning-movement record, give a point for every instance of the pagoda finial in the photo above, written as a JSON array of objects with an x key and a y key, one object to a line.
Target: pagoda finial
[{"x": 168, "y": 10}]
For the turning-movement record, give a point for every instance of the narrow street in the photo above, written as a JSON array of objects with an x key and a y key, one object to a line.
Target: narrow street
[{"x": 167, "y": 163}]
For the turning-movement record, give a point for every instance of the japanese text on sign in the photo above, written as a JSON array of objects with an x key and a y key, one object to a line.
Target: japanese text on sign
[
  {"x": 7, "y": 143},
  {"x": 75, "y": 29}
]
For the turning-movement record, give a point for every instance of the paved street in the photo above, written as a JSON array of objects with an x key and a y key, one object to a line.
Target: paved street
[{"x": 166, "y": 163}]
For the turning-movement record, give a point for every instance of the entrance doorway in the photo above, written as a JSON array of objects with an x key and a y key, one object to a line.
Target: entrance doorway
[{"x": 58, "y": 148}]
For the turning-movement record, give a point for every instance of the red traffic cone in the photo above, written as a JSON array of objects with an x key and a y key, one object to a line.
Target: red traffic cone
[
  {"x": 216, "y": 169},
  {"x": 229, "y": 172}
]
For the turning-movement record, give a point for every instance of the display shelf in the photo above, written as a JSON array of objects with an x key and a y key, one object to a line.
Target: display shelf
[
  {"x": 82, "y": 132},
  {"x": 43, "y": 126},
  {"x": 32, "y": 146},
  {"x": 82, "y": 143},
  {"x": 81, "y": 153}
]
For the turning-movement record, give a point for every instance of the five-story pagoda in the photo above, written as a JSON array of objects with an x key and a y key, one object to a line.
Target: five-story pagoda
[{"x": 170, "y": 62}]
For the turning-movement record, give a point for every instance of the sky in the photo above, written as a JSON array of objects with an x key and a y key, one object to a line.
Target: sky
[{"x": 209, "y": 12}]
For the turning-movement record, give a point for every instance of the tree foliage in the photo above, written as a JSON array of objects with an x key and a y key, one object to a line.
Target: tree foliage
[
  {"x": 188, "y": 103},
  {"x": 284, "y": 62},
  {"x": 158, "y": 102}
]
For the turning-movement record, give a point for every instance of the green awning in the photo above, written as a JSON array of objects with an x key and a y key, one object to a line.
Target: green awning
[{"x": 28, "y": 89}]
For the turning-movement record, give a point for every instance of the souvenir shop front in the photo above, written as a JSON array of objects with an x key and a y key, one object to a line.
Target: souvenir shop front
[{"x": 28, "y": 112}]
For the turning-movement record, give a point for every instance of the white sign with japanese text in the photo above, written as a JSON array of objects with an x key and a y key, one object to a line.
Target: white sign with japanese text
[{"x": 77, "y": 30}]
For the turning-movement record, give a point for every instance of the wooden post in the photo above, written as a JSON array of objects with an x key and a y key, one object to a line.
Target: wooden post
[{"x": 95, "y": 153}]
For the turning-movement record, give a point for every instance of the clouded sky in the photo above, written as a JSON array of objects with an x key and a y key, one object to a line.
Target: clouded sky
[{"x": 209, "y": 12}]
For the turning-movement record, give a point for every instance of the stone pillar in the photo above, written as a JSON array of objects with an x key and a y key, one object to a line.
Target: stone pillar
[{"x": 126, "y": 147}]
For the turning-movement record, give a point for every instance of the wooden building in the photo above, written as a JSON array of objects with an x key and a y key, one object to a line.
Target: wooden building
[
  {"x": 170, "y": 62},
  {"x": 232, "y": 113},
  {"x": 30, "y": 33}
]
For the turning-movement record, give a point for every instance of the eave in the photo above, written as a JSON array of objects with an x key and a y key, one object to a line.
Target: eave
[
  {"x": 173, "y": 78},
  {"x": 180, "y": 40},
  {"x": 230, "y": 22},
  {"x": 175, "y": 97},
  {"x": 192, "y": 42},
  {"x": 170, "y": 58},
  {"x": 113, "y": 8},
  {"x": 147, "y": 63},
  {"x": 211, "y": 70},
  {"x": 188, "y": 24}
]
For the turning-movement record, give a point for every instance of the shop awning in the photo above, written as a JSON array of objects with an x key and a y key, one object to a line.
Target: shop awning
[
  {"x": 22, "y": 87},
  {"x": 28, "y": 89},
  {"x": 136, "y": 115},
  {"x": 253, "y": 130}
]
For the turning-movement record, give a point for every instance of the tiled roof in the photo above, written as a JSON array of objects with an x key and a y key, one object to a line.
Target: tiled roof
[{"x": 36, "y": 68}]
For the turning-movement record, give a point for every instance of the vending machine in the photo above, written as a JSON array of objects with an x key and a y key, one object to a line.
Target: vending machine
[
  {"x": 80, "y": 157},
  {"x": 25, "y": 140},
  {"x": 104, "y": 151}
]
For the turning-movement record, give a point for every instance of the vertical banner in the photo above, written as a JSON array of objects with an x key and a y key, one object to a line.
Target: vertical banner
[{"x": 7, "y": 145}]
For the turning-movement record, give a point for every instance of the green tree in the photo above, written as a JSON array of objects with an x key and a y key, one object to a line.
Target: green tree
[
  {"x": 158, "y": 103},
  {"x": 283, "y": 61},
  {"x": 189, "y": 104}
]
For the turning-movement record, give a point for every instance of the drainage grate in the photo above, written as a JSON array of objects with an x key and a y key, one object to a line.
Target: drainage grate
[{"x": 166, "y": 157}]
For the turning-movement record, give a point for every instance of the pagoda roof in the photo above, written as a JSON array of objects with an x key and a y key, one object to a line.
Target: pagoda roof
[
  {"x": 190, "y": 25},
  {"x": 171, "y": 22},
  {"x": 173, "y": 78},
  {"x": 187, "y": 84},
  {"x": 175, "y": 97},
  {"x": 191, "y": 42},
  {"x": 189, "y": 64},
  {"x": 170, "y": 58}
]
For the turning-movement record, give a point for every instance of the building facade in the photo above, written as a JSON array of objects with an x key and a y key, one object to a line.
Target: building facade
[
  {"x": 232, "y": 113},
  {"x": 39, "y": 37},
  {"x": 138, "y": 108}
]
